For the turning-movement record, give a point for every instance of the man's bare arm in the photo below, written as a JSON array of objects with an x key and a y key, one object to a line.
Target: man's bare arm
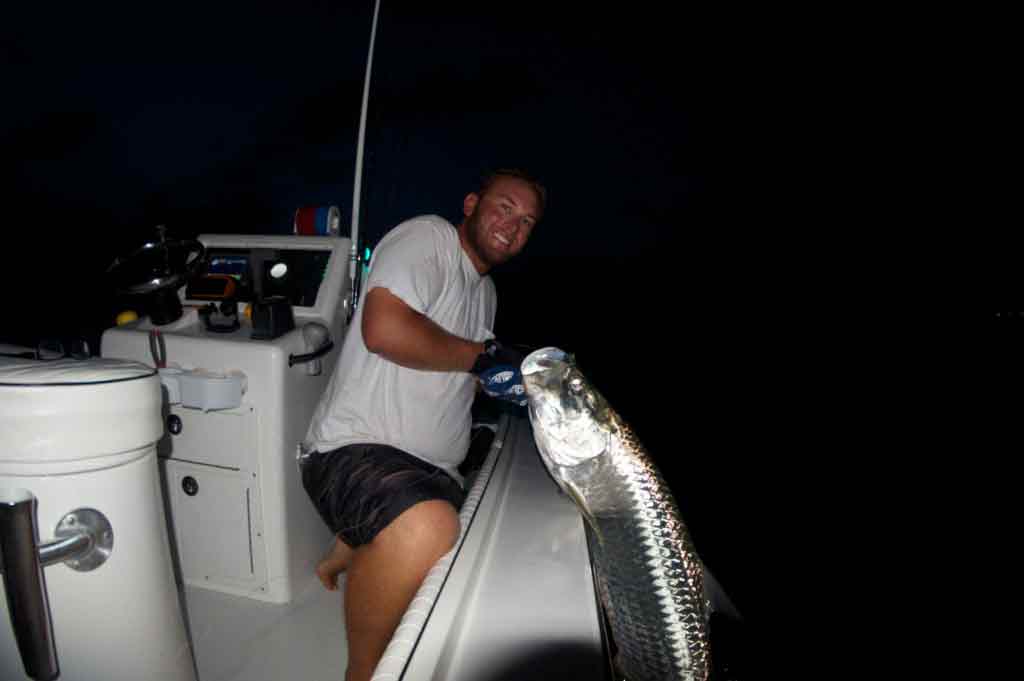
[{"x": 399, "y": 333}]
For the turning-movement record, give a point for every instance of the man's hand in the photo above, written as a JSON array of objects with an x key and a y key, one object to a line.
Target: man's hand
[{"x": 497, "y": 367}]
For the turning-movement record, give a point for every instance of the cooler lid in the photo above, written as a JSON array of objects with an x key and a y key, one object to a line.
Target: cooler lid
[
  {"x": 15, "y": 372},
  {"x": 55, "y": 416}
]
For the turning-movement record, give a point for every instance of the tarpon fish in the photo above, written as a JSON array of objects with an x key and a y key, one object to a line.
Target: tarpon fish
[{"x": 649, "y": 577}]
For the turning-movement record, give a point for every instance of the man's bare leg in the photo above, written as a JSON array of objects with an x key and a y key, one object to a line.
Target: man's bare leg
[
  {"x": 386, "y": 573},
  {"x": 334, "y": 564}
]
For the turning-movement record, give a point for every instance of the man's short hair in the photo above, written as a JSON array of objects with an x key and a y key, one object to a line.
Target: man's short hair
[{"x": 490, "y": 178}]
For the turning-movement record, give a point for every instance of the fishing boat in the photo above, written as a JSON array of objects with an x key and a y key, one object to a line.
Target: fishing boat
[
  {"x": 214, "y": 407},
  {"x": 153, "y": 523}
]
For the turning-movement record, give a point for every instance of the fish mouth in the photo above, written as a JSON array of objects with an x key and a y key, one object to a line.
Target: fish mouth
[{"x": 544, "y": 360}]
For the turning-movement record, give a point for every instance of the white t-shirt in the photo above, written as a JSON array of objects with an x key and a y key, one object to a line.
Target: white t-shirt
[{"x": 370, "y": 399}]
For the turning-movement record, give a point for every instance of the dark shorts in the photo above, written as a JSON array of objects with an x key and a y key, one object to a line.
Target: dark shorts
[{"x": 359, "y": 489}]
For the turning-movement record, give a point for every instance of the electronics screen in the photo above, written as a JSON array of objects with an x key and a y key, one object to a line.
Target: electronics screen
[
  {"x": 294, "y": 274},
  {"x": 234, "y": 265}
]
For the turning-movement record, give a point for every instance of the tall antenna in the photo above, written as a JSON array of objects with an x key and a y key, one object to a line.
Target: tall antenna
[{"x": 354, "y": 260}]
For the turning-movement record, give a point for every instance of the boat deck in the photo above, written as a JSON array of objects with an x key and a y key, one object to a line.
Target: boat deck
[
  {"x": 237, "y": 638},
  {"x": 514, "y": 598}
]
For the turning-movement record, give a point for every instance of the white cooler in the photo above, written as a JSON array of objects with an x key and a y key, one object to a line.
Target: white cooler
[{"x": 78, "y": 451}]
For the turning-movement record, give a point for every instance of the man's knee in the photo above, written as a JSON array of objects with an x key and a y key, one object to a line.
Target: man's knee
[{"x": 428, "y": 526}]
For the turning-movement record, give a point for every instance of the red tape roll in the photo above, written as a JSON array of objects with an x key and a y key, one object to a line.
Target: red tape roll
[{"x": 305, "y": 221}]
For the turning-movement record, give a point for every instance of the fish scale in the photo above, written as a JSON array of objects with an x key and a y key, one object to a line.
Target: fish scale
[
  {"x": 649, "y": 576},
  {"x": 652, "y": 599}
]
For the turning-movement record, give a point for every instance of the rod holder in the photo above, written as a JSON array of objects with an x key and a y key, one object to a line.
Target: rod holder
[{"x": 84, "y": 542}]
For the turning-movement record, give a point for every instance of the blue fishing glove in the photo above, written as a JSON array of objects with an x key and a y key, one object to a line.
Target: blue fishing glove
[{"x": 497, "y": 367}]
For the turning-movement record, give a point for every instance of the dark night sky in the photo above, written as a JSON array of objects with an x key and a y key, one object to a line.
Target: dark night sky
[
  {"x": 650, "y": 131},
  {"x": 667, "y": 141}
]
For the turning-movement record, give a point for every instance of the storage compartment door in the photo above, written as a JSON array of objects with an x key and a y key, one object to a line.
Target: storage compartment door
[
  {"x": 214, "y": 513},
  {"x": 226, "y": 438}
]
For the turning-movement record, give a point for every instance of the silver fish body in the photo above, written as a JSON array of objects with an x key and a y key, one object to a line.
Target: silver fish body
[{"x": 649, "y": 576}]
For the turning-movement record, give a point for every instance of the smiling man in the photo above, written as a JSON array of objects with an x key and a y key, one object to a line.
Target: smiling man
[
  {"x": 394, "y": 423},
  {"x": 499, "y": 220}
]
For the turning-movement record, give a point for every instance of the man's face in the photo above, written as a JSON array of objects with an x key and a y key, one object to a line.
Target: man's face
[{"x": 499, "y": 223}]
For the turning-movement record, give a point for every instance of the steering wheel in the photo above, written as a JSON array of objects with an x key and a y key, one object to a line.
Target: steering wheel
[
  {"x": 156, "y": 270},
  {"x": 157, "y": 266}
]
